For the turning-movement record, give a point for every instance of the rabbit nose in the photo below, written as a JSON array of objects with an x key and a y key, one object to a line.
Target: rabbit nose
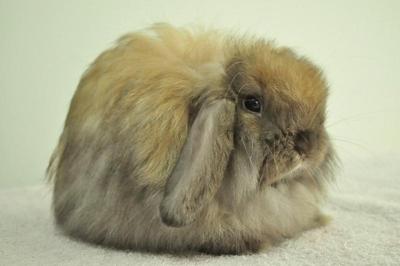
[{"x": 303, "y": 141}]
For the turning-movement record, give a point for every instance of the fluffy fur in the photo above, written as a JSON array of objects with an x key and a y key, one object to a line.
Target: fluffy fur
[{"x": 159, "y": 152}]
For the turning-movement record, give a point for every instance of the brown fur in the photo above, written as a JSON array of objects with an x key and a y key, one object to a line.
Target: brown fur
[{"x": 159, "y": 154}]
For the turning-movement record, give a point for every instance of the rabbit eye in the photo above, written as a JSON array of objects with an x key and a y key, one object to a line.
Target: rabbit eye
[{"x": 252, "y": 103}]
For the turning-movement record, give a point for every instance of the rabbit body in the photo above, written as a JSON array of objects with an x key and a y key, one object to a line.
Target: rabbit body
[{"x": 159, "y": 152}]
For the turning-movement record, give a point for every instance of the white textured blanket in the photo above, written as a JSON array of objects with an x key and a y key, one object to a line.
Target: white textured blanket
[{"x": 365, "y": 205}]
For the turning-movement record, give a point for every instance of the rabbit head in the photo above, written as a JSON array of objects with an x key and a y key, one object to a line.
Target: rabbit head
[{"x": 265, "y": 126}]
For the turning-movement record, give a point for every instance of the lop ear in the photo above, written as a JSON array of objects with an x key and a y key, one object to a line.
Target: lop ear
[{"x": 201, "y": 166}]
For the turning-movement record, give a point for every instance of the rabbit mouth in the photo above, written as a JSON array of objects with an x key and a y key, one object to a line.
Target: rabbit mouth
[
  {"x": 272, "y": 174},
  {"x": 294, "y": 171}
]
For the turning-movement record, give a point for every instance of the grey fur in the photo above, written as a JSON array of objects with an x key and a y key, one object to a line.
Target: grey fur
[{"x": 158, "y": 152}]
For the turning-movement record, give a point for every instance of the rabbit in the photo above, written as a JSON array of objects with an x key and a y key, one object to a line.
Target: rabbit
[{"x": 194, "y": 140}]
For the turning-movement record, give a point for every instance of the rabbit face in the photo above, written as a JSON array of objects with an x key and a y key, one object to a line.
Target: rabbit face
[{"x": 279, "y": 132}]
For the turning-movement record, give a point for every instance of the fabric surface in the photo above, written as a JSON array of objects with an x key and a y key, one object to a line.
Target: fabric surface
[{"x": 365, "y": 230}]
